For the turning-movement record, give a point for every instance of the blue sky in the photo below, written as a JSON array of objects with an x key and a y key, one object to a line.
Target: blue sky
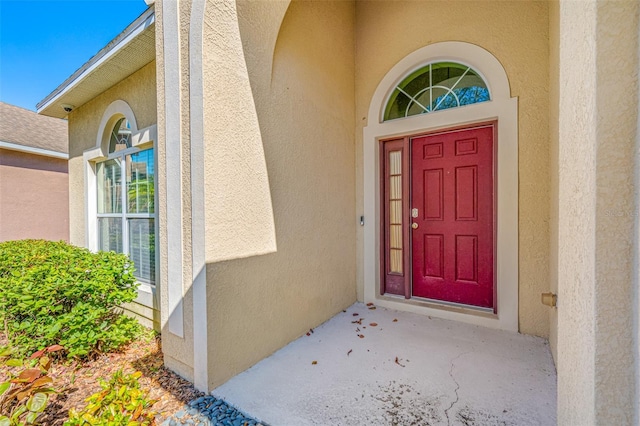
[{"x": 42, "y": 42}]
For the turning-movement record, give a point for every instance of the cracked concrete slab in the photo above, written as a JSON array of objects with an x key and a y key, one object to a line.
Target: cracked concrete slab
[{"x": 407, "y": 369}]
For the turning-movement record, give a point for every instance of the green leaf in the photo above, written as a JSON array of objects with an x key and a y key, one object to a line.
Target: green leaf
[
  {"x": 14, "y": 363},
  {"x": 37, "y": 402},
  {"x": 3, "y": 388},
  {"x": 31, "y": 418},
  {"x": 4, "y": 421}
]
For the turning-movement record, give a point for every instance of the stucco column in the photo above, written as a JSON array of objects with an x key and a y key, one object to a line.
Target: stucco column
[{"x": 598, "y": 115}]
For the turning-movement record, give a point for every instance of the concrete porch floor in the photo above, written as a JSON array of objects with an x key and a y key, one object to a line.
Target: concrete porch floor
[{"x": 413, "y": 371}]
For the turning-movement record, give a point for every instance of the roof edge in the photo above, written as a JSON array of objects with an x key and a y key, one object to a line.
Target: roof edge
[
  {"x": 32, "y": 150},
  {"x": 146, "y": 19}
]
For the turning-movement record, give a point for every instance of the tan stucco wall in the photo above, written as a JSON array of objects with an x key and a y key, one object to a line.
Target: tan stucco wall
[
  {"x": 34, "y": 197},
  {"x": 597, "y": 343},
  {"x": 305, "y": 113},
  {"x": 178, "y": 351},
  {"x": 388, "y": 31},
  {"x": 554, "y": 75}
]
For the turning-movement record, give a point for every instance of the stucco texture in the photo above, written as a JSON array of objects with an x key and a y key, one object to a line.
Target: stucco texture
[
  {"x": 34, "y": 197},
  {"x": 597, "y": 128},
  {"x": 178, "y": 351},
  {"x": 305, "y": 116},
  {"x": 388, "y": 31}
]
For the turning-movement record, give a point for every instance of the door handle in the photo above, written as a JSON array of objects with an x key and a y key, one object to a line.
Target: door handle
[{"x": 414, "y": 225}]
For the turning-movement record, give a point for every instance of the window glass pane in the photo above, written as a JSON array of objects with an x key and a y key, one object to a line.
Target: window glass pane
[
  {"x": 140, "y": 182},
  {"x": 120, "y": 136},
  {"x": 436, "y": 87},
  {"x": 109, "y": 186},
  {"x": 110, "y": 234},
  {"x": 142, "y": 244}
]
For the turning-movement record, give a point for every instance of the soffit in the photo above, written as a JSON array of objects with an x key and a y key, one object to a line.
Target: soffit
[{"x": 126, "y": 54}]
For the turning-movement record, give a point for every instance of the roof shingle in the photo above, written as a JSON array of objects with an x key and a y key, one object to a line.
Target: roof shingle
[{"x": 27, "y": 128}]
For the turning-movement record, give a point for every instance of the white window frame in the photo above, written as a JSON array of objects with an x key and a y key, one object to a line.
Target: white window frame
[{"x": 141, "y": 139}]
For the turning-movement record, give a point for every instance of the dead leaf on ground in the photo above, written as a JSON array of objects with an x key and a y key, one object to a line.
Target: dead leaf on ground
[
  {"x": 398, "y": 362},
  {"x": 372, "y": 307},
  {"x": 373, "y": 324},
  {"x": 359, "y": 321},
  {"x": 308, "y": 334},
  {"x": 350, "y": 350},
  {"x": 395, "y": 320},
  {"x": 355, "y": 314},
  {"x": 369, "y": 304},
  {"x": 314, "y": 362},
  {"x": 361, "y": 336},
  {"x": 311, "y": 330}
]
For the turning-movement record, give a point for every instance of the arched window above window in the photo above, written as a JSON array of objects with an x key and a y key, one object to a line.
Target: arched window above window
[
  {"x": 120, "y": 136},
  {"x": 435, "y": 87}
]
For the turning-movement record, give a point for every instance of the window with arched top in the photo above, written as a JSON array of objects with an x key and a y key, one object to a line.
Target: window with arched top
[
  {"x": 436, "y": 87},
  {"x": 126, "y": 201}
]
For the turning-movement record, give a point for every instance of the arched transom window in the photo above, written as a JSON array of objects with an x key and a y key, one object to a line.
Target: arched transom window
[{"x": 435, "y": 87}]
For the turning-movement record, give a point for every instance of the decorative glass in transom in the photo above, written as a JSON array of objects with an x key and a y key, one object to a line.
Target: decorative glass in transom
[
  {"x": 120, "y": 136},
  {"x": 436, "y": 87}
]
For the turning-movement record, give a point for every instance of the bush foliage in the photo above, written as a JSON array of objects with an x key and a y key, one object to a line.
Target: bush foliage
[
  {"x": 56, "y": 293},
  {"x": 120, "y": 402}
]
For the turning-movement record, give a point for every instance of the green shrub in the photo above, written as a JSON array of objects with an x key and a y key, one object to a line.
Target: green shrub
[
  {"x": 120, "y": 402},
  {"x": 55, "y": 293}
]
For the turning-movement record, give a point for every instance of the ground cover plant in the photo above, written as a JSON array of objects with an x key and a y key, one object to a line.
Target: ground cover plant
[
  {"x": 25, "y": 394},
  {"x": 121, "y": 401},
  {"x": 56, "y": 293}
]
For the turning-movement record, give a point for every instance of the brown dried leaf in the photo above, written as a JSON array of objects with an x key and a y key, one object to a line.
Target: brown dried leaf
[
  {"x": 29, "y": 374},
  {"x": 372, "y": 307},
  {"x": 395, "y": 320},
  {"x": 314, "y": 362},
  {"x": 41, "y": 381},
  {"x": 308, "y": 334},
  {"x": 311, "y": 330},
  {"x": 398, "y": 362},
  {"x": 369, "y": 304},
  {"x": 361, "y": 336},
  {"x": 54, "y": 348},
  {"x": 37, "y": 354},
  {"x": 373, "y": 324},
  {"x": 355, "y": 314},
  {"x": 350, "y": 350}
]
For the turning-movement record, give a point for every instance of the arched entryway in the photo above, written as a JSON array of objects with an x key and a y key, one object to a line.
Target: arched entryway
[{"x": 443, "y": 117}]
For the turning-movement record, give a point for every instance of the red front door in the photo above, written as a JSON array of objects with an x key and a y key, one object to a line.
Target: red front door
[{"x": 452, "y": 216}]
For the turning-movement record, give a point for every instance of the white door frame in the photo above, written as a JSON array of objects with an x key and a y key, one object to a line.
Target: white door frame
[{"x": 503, "y": 108}]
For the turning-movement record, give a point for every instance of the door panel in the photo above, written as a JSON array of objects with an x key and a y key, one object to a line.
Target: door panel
[{"x": 452, "y": 186}]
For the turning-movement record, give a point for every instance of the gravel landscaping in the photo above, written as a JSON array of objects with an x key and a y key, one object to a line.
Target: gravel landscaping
[{"x": 210, "y": 411}]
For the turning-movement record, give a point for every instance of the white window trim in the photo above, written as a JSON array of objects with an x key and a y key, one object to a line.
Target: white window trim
[
  {"x": 140, "y": 140},
  {"x": 503, "y": 108}
]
